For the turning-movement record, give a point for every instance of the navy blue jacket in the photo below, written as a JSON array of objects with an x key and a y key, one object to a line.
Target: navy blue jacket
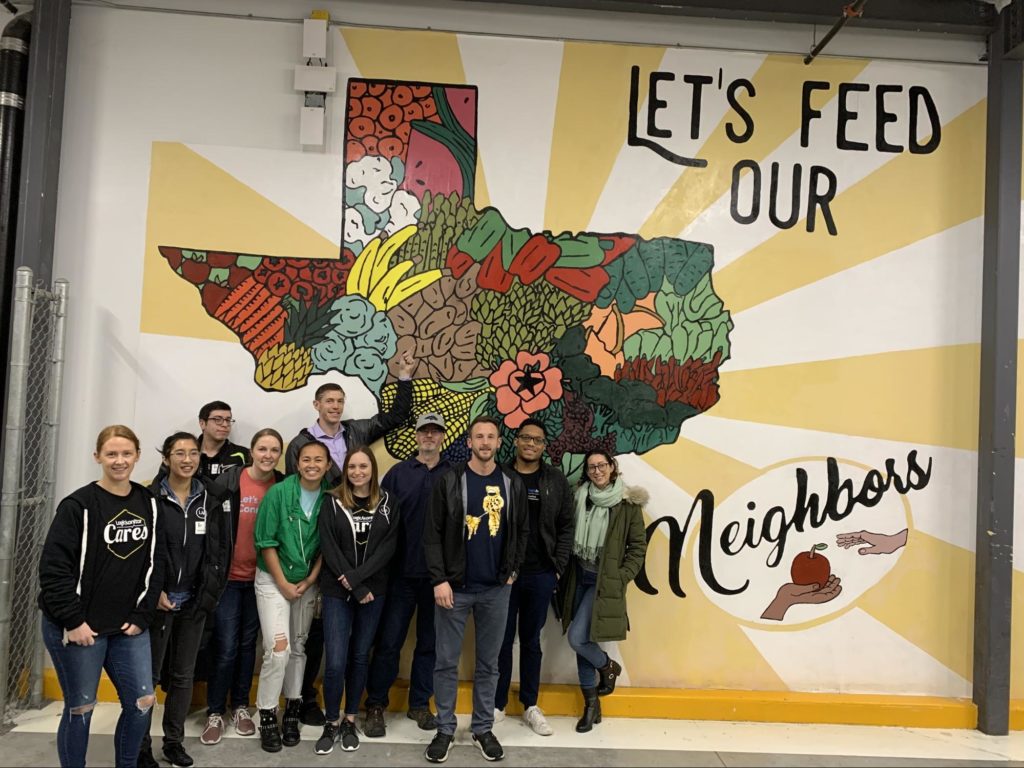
[{"x": 411, "y": 483}]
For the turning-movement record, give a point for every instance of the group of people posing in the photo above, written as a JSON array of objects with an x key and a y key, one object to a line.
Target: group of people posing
[{"x": 330, "y": 563}]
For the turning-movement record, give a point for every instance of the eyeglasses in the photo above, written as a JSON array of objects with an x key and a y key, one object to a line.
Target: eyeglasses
[
  {"x": 598, "y": 467},
  {"x": 221, "y": 420},
  {"x": 531, "y": 440},
  {"x": 185, "y": 454}
]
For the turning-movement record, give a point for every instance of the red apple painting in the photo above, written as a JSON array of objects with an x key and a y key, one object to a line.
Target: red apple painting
[{"x": 810, "y": 567}]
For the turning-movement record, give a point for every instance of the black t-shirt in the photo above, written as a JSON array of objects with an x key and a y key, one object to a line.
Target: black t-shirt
[
  {"x": 229, "y": 455},
  {"x": 362, "y": 517},
  {"x": 486, "y": 508},
  {"x": 536, "y": 559}
]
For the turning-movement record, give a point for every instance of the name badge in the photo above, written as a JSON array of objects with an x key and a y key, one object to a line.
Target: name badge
[{"x": 200, "y": 527}]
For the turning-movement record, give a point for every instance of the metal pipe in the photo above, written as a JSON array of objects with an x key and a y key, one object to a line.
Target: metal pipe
[
  {"x": 14, "y": 440},
  {"x": 47, "y": 507},
  {"x": 14, "y": 44},
  {"x": 849, "y": 11}
]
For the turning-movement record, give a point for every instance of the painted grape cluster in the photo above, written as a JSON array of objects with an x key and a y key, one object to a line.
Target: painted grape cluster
[{"x": 611, "y": 340}]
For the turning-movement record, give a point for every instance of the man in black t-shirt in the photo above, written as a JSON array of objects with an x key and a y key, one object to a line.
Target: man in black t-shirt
[
  {"x": 474, "y": 542},
  {"x": 216, "y": 452},
  {"x": 547, "y": 554}
]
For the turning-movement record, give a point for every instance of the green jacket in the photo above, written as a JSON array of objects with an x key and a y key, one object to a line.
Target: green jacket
[
  {"x": 280, "y": 523},
  {"x": 625, "y": 545}
]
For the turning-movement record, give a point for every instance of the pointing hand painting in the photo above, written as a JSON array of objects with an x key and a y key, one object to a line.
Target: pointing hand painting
[
  {"x": 878, "y": 543},
  {"x": 801, "y": 594}
]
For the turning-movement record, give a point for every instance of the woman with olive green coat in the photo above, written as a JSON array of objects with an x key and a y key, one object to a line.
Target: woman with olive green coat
[{"x": 609, "y": 546}]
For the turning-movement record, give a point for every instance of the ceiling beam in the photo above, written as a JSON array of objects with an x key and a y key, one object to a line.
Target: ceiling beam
[{"x": 965, "y": 17}]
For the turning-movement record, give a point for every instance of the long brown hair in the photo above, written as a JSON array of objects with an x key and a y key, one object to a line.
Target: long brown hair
[{"x": 343, "y": 491}]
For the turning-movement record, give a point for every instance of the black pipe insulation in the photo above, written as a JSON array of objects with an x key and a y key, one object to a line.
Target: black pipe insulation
[{"x": 14, "y": 42}]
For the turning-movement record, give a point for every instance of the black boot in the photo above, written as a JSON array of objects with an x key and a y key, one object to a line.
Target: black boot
[
  {"x": 270, "y": 733},
  {"x": 591, "y": 711},
  {"x": 609, "y": 674},
  {"x": 290, "y": 722}
]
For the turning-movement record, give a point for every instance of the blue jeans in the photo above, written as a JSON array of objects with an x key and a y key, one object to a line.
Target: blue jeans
[
  {"x": 490, "y": 612},
  {"x": 127, "y": 662},
  {"x": 405, "y": 597},
  {"x": 236, "y": 625},
  {"x": 528, "y": 607},
  {"x": 589, "y": 655},
  {"x": 349, "y": 629}
]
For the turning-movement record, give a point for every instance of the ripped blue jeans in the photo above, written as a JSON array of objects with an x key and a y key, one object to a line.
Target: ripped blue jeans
[{"x": 127, "y": 662}]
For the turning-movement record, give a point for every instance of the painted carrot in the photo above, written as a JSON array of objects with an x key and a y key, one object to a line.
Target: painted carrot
[
  {"x": 492, "y": 274},
  {"x": 584, "y": 284}
]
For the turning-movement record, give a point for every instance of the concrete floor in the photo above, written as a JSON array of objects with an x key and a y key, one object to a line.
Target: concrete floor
[{"x": 615, "y": 742}]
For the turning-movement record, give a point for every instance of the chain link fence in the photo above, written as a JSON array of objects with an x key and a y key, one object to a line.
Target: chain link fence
[{"x": 30, "y": 436}]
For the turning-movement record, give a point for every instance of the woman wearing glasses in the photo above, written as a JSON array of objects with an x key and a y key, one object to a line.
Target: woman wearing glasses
[
  {"x": 608, "y": 550},
  {"x": 197, "y": 549}
]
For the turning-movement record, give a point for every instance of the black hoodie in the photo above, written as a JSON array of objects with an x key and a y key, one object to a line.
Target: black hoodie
[
  {"x": 100, "y": 562},
  {"x": 338, "y": 547}
]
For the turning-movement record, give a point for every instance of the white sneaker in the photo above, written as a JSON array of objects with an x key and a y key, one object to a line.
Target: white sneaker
[
  {"x": 499, "y": 715},
  {"x": 534, "y": 718}
]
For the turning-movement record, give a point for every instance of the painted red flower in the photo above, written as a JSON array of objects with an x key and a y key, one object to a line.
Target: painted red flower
[{"x": 525, "y": 386}]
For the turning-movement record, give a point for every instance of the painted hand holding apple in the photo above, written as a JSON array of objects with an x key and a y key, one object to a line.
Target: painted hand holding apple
[{"x": 812, "y": 583}]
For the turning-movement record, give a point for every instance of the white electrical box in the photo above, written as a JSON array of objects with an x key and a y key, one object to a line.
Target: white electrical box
[
  {"x": 317, "y": 79},
  {"x": 314, "y": 38},
  {"x": 311, "y": 126}
]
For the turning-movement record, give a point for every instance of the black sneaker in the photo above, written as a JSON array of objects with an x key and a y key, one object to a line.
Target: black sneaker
[
  {"x": 290, "y": 722},
  {"x": 270, "y": 733},
  {"x": 423, "y": 717},
  {"x": 146, "y": 759},
  {"x": 176, "y": 755},
  {"x": 349, "y": 737},
  {"x": 311, "y": 714},
  {"x": 489, "y": 745},
  {"x": 437, "y": 751},
  {"x": 325, "y": 744},
  {"x": 374, "y": 727}
]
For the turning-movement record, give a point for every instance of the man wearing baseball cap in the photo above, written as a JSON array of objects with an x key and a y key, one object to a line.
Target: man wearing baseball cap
[{"x": 410, "y": 591}]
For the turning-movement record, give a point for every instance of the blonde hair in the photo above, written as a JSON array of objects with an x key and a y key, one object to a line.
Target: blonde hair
[
  {"x": 343, "y": 491},
  {"x": 116, "y": 430}
]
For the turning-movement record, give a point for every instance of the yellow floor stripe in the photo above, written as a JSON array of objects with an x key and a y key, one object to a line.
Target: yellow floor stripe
[
  {"x": 193, "y": 203},
  {"x": 682, "y": 704},
  {"x": 591, "y": 121},
  {"x": 870, "y": 395},
  {"x": 871, "y": 216},
  {"x": 777, "y": 81},
  {"x": 928, "y": 598},
  {"x": 1017, "y": 636},
  {"x": 691, "y": 466}
]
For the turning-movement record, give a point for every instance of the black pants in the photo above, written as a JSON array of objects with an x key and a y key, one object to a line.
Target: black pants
[
  {"x": 314, "y": 657},
  {"x": 174, "y": 636}
]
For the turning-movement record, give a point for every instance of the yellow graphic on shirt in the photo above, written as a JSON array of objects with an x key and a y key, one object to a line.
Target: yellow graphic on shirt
[{"x": 493, "y": 504}]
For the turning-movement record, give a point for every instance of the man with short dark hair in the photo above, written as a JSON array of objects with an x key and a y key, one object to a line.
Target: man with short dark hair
[
  {"x": 216, "y": 452},
  {"x": 548, "y": 547},
  {"x": 474, "y": 543},
  {"x": 410, "y": 590},
  {"x": 340, "y": 437}
]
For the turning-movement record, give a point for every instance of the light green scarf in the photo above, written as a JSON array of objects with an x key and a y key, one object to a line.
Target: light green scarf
[{"x": 592, "y": 524}]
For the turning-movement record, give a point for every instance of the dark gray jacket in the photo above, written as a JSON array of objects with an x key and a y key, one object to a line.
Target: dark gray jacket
[{"x": 357, "y": 431}]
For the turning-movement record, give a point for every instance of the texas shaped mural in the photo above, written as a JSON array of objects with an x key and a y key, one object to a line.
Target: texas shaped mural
[{"x": 611, "y": 340}]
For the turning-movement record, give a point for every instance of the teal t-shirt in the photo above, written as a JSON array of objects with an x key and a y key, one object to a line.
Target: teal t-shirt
[{"x": 306, "y": 500}]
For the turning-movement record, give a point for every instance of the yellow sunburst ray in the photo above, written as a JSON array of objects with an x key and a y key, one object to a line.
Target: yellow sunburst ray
[
  {"x": 590, "y": 127},
  {"x": 935, "y": 584},
  {"x": 871, "y": 217},
  {"x": 777, "y": 81},
  {"x": 691, "y": 466},
  {"x": 195, "y": 204},
  {"x": 397, "y": 54},
  {"x": 866, "y": 395}
]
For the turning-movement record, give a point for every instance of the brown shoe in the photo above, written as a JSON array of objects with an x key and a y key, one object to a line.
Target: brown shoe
[
  {"x": 244, "y": 725},
  {"x": 423, "y": 717},
  {"x": 214, "y": 730}
]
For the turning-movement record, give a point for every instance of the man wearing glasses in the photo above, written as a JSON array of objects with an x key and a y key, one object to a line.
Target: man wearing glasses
[
  {"x": 550, "y": 503},
  {"x": 216, "y": 452}
]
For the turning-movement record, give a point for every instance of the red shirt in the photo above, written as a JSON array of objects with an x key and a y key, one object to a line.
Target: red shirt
[{"x": 243, "y": 559}]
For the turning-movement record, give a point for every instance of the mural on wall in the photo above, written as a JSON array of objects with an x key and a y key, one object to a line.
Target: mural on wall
[
  {"x": 754, "y": 281},
  {"x": 612, "y": 340}
]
